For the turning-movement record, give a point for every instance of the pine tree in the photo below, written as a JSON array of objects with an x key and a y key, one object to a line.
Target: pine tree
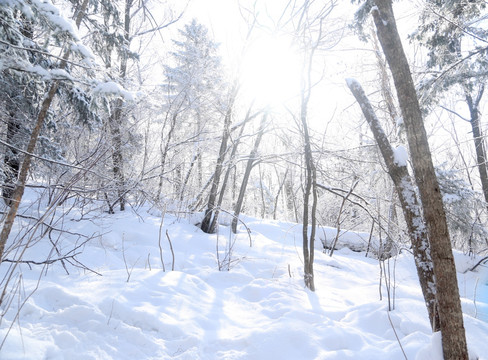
[
  {"x": 37, "y": 59},
  {"x": 193, "y": 91}
]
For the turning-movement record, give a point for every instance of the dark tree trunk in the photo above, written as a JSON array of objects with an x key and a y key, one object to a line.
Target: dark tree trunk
[
  {"x": 231, "y": 161},
  {"x": 310, "y": 189},
  {"x": 210, "y": 219},
  {"x": 247, "y": 173},
  {"x": 450, "y": 312},
  {"x": 11, "y": 160},
  {"x": 412, "y": 212}
]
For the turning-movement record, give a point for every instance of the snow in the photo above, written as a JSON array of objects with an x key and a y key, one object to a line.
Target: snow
[
  {"x": 257, "y": 310},
  {"x": 112, "y": 88},
  {"x": 351, "y": 82},
  {"x": 400, "y": 155},
  {"x": 86, "y": 53},
  {"x": 51, "y": 12}
]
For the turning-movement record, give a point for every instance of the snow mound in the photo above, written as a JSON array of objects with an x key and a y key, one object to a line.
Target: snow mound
[{"x": 259, "y": 309}]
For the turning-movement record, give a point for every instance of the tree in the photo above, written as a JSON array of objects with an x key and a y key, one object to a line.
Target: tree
[
  {"x": 210, "y": 218},
  {"x": 49, "y": 17},
  {"x": 312, "y": 37},
  {"x": 412, "y": 212},
  {"x": 450, "y": 312},
  {"x": 193, "y": 89},
  {"x": 245, "y": 179},
  {"x": 17, "y": 100},
  {"x": 455, "y": 36}
]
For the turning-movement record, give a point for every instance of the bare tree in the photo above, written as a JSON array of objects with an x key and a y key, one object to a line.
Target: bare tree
[
  {"x": 412, "y": 212},
  {"x": 250, "y": 162},
  {"x": 210, "y": 219},
  {"x": 450, "y": 312}
]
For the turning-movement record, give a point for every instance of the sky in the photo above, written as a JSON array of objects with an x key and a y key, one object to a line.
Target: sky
[{"x": 271, "y": 67}]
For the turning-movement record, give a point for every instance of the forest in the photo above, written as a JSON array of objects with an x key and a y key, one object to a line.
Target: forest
[{"x": 180, "y": 136}]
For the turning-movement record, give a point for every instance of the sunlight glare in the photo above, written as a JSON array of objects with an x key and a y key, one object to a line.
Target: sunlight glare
[{"x": 271, "y": 71}]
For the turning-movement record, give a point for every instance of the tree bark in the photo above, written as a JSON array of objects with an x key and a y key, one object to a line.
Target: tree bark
[
  {"x": 412, "y": 212},
  {"x": 210, "y": 219},
  {"x": 11, "y": 160},
  {"x": 447, "y": 295},
  {"x": 232, "y": 164}
]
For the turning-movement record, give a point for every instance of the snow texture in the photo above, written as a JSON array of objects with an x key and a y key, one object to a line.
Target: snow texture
[
  {"x": 400, "y": 155},
  {"x": 112, "y": 88},
  {"x": 259, "y": 309}
]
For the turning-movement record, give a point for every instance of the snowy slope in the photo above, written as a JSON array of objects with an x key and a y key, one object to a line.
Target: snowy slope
[{"x": 257, "y": 310}]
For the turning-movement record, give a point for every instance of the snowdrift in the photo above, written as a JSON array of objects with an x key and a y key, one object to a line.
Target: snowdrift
[{"x": 255, "y": 307}]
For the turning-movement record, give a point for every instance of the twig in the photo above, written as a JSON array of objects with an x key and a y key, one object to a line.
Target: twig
[
  {"x": 474, "y": 298},
  {"x": 485, "y": 259},
  {"x": 159, "y": 244},
  {"x": 370, "y": 237},
  {"x": 396, "y": 335},
  {"x": 45, "y": 262},
  {"x": 172, "y": 252},
  {"x": 242, "y": 222}
]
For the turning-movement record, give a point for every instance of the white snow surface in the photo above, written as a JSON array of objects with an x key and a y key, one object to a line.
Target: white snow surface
[
  {"x": 113, "y": 88},
  {"x": 400, "y": 155},
  {"x": 259, "y": 309}
]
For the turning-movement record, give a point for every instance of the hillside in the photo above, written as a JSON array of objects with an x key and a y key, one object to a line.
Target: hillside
[{"x": 132, "y": 309}]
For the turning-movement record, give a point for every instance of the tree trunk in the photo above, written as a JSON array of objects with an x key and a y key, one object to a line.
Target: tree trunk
[
  {"x": 310, "y": 189},
  {"x": 412, "y": 212},
  {"x": 479, "y": 144},
  {"x": 24, "y": 169},
  {"x": 117, "y": 153},
  {"x": 209, "y": 221},
  {"x": 280, "y": 189},
  {"x": 232, "y": 164},
  {"x": 118, "y": 117},
  {"x": 450, "y": 312},
  {"x": 164, "y": 153},
  {"x": 11, "y": 160},
  {"x": 247, "y": 173}
]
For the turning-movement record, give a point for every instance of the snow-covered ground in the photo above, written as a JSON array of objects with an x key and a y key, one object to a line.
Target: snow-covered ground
[{"x": 257, "y": 310}]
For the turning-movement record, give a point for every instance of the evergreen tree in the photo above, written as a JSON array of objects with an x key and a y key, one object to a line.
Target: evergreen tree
[
  {"x": 455, "y": 35},
  {"x": 193, "y": 91}
]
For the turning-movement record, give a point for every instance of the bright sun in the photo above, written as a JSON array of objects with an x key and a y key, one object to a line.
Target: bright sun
[{"x": 271, "y": 71}]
